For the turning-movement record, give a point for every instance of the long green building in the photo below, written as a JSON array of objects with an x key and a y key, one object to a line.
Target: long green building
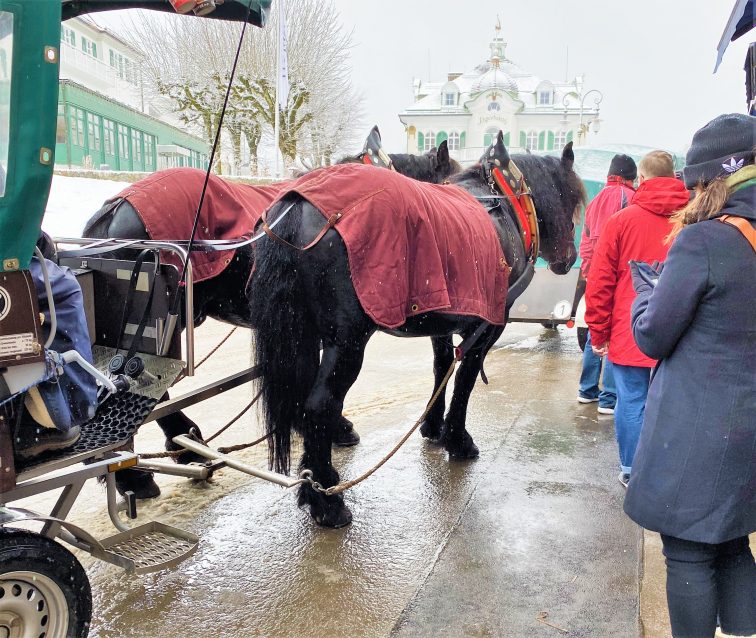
[{"x": 95, "y": 131}]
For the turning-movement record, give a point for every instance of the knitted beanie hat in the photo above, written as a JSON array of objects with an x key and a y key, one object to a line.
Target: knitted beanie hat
[
  {"x": 723, "y": 146},
  {"x": 623, "y": 166}
]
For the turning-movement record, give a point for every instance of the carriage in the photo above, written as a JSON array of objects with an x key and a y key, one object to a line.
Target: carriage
[
  {"x": 44, "y": 590},
  {"x": 43, "y": 587}
]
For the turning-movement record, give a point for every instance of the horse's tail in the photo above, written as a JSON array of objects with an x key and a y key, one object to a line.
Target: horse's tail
[{"x": 286, "y": 344}]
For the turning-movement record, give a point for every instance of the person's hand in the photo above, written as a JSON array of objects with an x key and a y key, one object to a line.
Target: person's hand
[
  {"x": 600, "y": 351},
  {"x": 645, "y": 277}
]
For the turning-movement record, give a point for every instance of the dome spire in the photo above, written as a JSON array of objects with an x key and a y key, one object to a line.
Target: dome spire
[{"x": 498, "y": 46}]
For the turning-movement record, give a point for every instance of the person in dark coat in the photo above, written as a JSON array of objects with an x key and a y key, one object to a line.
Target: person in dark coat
[{"x": 694, "y": 475}]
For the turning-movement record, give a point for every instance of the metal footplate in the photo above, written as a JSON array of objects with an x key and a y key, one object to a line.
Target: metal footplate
[{"x": 147, "y": 548}]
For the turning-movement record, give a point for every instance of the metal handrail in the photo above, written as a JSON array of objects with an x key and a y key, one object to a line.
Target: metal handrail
[{"x": 112, "y": 244}]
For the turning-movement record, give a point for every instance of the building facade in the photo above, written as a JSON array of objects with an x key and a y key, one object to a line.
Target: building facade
[
  {"x": 469, "y": 109},
  {"x": 104, "y": 120}
]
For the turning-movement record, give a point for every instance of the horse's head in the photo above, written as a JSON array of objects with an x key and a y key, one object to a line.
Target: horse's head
[
  {"x": 441, "y": 163},
  {"x": 558, "y": 195},
  {"x": 435, "y": 166},
  {"x": 561, "y": 199}
]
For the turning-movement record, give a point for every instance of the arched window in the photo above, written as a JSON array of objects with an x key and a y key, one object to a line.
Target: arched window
[
  {"x": 441, "y": 136},
  {"x": 453, "y": 141},
  {"x": 531, "y": 141},
  {"x": 429, "y": 139},
  {"x": 489, "y": 137},
  {"x": 494, "y": 106},
  {"x": 560, "y": 139}
]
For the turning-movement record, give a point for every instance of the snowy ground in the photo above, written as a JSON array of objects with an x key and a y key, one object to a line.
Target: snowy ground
[{"x": 72, "y": 202}]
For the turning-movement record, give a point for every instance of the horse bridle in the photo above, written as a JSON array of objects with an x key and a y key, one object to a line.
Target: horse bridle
[{"x": 510, "y": 182}]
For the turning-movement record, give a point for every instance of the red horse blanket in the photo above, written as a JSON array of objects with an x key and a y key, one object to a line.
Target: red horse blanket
[
  {"x": 166, "y": 202},
  {"x": 413, "y": 247}
]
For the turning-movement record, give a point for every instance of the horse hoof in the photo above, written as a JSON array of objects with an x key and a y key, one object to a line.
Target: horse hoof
[
  {"x": 469, "y": 451},
  {"x": 333, "y": 519},
  {"x": 140, "y": 482},
  {"x": 346, "y": 437},
  {"x": 431, "y": 431}
]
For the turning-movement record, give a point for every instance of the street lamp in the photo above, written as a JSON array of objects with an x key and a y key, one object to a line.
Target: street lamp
[
  {"x": 594, "y": 123},
  {"x": 587, "y": 121}
]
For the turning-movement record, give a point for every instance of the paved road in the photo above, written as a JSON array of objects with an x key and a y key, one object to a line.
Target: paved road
[{"x": 475, "y": 548}]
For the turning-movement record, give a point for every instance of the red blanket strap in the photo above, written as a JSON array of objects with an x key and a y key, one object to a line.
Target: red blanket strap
[{"x": 522, "y": 216}]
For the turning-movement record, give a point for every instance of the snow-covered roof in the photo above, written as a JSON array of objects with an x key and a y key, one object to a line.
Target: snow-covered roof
[{"x": 497, "y": 72}]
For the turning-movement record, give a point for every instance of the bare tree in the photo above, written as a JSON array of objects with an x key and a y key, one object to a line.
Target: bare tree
[{"x": 188, "y": 57}]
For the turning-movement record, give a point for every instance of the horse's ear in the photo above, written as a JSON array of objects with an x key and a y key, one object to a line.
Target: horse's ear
[
  {"x": 568, "y": 156},
  {"x": 498, "y": 152},
  {"x": 443, "y": 154},
  {"x": 376, "y": 132}
]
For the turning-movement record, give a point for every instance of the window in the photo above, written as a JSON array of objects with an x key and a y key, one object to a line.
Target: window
[
  {"x": 450, "y": 99},
  {"x": 453, "y": 141},
  {"x": 89, "y": 47},
  {"x": 544, "y": 97},
  {"x": 560, "y": 139},
  {"x": 429, "y": 140},
  {"x": 76, "y": 118},
  {"x": 61, "y": 131},
  {"x": 108, "y": 138},
  {"x": 489, "y": 137},
  {"x": 124, "y": 68},
  {"x": 68, "y": 36},
  {"x": 531, "y": 141},
  {"x": 149, "y": 150},
  {"x": 136, "y": 146},
  {"x": 494, "y": 106},
  {"x": 93, "y": 128},
  {"x": 123, "y": 141}
]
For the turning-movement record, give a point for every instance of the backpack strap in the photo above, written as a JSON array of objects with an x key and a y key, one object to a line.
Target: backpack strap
[{"x": 743, "y": 225}]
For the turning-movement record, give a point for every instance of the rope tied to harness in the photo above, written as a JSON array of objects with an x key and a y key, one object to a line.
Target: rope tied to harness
[{"x": 459, "y": 352}]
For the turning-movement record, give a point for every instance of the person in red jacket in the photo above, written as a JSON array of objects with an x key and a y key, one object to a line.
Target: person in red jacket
[
  {"x": 638, "y": 233},
  {"x": 613, "y": 197}
]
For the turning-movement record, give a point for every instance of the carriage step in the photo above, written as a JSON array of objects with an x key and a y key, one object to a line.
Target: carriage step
[{"x": 148, "y": 548}]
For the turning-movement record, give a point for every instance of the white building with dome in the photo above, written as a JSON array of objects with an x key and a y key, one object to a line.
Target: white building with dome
[{"x": 469, "y": 109}]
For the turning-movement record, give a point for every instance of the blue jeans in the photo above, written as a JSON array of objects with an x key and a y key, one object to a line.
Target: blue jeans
[
  {"x": 632, "y": 389},
  {"x": 705, "y": 581},
  {"x": 589, "y": 378}
]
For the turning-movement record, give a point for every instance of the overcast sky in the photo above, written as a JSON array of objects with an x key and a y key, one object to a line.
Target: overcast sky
[{"x": 651, "y": 59}]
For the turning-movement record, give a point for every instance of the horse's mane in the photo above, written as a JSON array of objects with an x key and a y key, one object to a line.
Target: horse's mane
[{"x": 540, "y": 170}]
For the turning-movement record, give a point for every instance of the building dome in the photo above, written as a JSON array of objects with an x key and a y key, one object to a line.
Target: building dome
[{"x": 494, "y": 78}]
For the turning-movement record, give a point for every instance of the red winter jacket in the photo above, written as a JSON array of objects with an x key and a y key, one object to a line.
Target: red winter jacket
[
  {"x": 636, "y": 232},
  {"x": 613, "y": 197}
]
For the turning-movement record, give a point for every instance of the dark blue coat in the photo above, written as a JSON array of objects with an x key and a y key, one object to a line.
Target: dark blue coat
[{"x": 694, "y": 473}]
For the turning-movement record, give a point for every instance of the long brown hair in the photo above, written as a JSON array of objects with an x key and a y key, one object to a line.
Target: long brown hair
[{"x": 707, "y": 201}]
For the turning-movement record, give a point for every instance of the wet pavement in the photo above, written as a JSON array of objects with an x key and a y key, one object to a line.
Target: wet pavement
[{"x": 437, "y": 548}]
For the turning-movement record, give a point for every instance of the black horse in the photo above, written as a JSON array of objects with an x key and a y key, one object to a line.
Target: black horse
[
  {"x": 310, "y": 299},
  {"x": 224, "y": 297}
]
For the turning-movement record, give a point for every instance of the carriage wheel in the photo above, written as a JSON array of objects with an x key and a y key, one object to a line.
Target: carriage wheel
[{"x": 44, "y": 591}]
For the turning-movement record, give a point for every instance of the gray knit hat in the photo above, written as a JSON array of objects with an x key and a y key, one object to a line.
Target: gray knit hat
[{"x": 722, "y": 146}]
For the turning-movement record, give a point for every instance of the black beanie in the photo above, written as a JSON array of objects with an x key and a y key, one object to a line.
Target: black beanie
[
  {"x": 623, "y": 166},
  {"x": 722, "y": 146}
]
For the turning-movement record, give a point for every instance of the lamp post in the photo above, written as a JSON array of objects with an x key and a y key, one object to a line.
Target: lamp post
[{"x": 587, "y": 121}]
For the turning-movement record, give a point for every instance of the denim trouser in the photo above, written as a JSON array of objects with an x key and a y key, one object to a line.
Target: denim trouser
[
  {"x": 708, "y": 581},
  {"x": 632, "y": 388},
  {"x": 589, "y": 378}
]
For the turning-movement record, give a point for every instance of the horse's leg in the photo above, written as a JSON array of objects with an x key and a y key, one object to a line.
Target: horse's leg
[
  {"x": 339, "y": 367},
  {"x": 443, "y": 354},
  {"x": 456, "y": 439}
]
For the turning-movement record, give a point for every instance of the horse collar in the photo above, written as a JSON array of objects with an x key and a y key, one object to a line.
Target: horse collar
[{"x": 511, "y": 183}]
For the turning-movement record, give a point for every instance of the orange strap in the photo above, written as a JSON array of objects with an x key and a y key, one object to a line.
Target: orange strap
[{"x": 743, "y": 225}]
